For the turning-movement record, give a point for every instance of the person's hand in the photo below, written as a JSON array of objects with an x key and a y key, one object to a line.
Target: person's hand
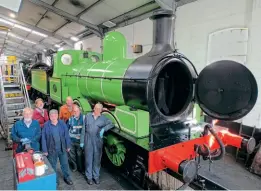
[
  {"x": 46, "y": 154},
  {"x": 101, "y": 133},
  {"x": 68, "y": 150},
  {"x": 81, "y": 145},
  {"x": 24, "y": 140}
]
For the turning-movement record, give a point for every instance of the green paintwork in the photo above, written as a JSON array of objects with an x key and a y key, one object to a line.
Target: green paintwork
[
  {"x": 135, "y": 123},
  {"x": 198, "y": 113},
  {"x": 142, "y": 142},
  {"x": 69, "y": 84},
  {"x": 114, "y": 65},
  {"x": 55, "y": 89},
  {"x": 77, "y": 60},
  {"x": 75, "y": 79},
  {"x": 196, "y": 131},
  {"x": 114, "y": 46},
  {"x": 115, "y": 150},
  {"x": 84, "y": 105},
  {"x": 39, "y": 81},
  {"x": 104, "y": 89}
]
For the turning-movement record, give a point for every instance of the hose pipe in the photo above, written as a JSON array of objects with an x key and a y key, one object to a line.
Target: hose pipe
[{"x": 222, "y": 146}]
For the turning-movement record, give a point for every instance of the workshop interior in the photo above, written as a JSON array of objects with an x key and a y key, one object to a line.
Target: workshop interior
[{"x": 174, "y": 85}]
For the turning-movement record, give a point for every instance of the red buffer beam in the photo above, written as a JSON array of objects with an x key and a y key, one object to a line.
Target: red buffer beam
[{"x": 179, "y": 156}]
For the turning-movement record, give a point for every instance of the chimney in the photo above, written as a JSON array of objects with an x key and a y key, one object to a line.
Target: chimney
[{"x": 162, "y": 31}]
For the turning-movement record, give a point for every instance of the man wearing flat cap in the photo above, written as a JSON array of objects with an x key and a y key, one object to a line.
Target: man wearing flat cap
[{"x": 56, "y": 143}]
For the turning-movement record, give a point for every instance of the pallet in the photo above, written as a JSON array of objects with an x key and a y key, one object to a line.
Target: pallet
[{"x": 166, "y": 181}]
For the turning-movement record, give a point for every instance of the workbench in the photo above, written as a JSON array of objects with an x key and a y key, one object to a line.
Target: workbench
[{"x": 45, "y": 182}]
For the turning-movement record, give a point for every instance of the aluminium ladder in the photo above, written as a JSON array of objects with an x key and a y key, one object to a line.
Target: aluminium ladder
[{"x": 13, "y": 96}]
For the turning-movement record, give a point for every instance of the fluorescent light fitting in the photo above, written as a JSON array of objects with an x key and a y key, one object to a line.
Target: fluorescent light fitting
[
  {"x": 13, "y": 35},
  {"x": 30, "y": 41},
  {"x": 21, "y": 27},
  {"x": 40, "y": 34},
  {"x": 6, "y": 22},
  {"x": 12, "y": 15},
  {"x": 109, "y": 24},
  {"x": 57, "y": 46},
  {"x": 74, "y": 38}
]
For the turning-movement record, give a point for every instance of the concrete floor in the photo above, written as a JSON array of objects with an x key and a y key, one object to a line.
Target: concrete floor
[
  {"x": 108, "y": 181},
  {"x": 230, "y": 174},
  {"x": 6, "y": 168}
]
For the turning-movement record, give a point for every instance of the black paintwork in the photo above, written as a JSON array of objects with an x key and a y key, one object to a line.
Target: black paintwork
[
  {"x": 160, "y": 64},
  {"x": 172, "y": 133},
  {"x": 226, "y": 90}
]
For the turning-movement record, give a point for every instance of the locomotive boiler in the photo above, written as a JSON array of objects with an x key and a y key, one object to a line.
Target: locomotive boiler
[{"x": 150, "y": 98}]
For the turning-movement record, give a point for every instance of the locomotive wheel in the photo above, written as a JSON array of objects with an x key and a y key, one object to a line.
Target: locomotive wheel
[{"x": 115, "y": 150}]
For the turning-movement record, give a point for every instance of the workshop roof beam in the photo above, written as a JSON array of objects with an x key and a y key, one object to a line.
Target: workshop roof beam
[
  {"x": 123, "y": 17},
  {"x": 46, "y": 45},
  {"x": 28, "y": 49},
  {"x": 171, "y": 4},
  {"x": 37, "y": 29},
  {"x": 81, "y": 13},
  {"x": 152, "y": 6},
  {"x": 12, "y": 50},
  {"x": 95, "y": 29}
]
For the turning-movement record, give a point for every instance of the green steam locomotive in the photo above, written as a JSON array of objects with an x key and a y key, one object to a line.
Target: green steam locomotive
[{"x": 148, "y": 98}]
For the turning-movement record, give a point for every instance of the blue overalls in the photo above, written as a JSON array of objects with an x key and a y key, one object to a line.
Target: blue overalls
[
  {"x": 93, "y": 143},
  {"x": 33, "y": 133},
  {"x": 55, "y": 142}
]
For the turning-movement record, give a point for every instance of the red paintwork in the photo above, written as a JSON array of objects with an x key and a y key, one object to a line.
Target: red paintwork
[
  {"x": 28, "y": 87},
  {"x": 171, "y": 156},
  {"x": 24, "y": 167}
]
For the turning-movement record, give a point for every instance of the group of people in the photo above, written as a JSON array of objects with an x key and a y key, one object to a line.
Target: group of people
[{"x": 65, "y": 136}]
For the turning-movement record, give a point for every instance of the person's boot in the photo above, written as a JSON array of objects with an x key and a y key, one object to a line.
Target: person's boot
[
  {"x": 68, "y": 181},
  {"x": 89, "y": 181},
  {"x": 97, "y": 181},
  {"x": 73, "y": 166}
]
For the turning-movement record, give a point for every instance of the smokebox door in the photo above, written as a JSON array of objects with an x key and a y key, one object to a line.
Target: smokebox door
[{"x": 226, "y": 90}]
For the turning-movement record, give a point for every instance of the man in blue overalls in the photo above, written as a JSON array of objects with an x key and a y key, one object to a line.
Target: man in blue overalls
[
  {"x": 26, "y": 132},
  {"x": 75, "y": 124},
  {"x": 91, "y": 138},
  {"x": 56, "y": 143}
]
